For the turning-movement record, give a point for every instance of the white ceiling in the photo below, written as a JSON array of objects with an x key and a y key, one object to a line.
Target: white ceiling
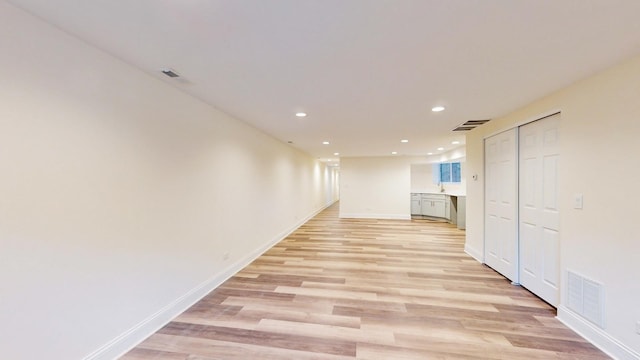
[{"x": 367, "y": 72}]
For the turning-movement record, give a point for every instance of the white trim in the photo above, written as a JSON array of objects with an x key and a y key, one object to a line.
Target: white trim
[
  {"x": 376, "y": 216},
  {"x": 596, "y": 336},
  {"x": 479, "y": 256},
  {"x": 528, "y": 120},
  {"x": 126, "y": 341}
]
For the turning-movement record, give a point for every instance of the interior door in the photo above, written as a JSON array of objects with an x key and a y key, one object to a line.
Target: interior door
[
  {"x": 539, "y": 215},
  {"x": 501, "y": 209}
]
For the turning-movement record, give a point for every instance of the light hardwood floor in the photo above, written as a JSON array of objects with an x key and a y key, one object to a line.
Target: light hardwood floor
[{"x": 367, "y": 289}]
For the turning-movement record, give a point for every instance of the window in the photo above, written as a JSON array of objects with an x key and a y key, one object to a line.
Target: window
[
  {"x": 447, "y": 172},
  {"x": 455, "y": 172}
]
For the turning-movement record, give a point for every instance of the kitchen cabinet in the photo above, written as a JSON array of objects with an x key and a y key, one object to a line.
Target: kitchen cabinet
[
  {"x": 433, "y": 205},
  {"x": 450, "y": 207},
  {"x": 416, "y": 207}
]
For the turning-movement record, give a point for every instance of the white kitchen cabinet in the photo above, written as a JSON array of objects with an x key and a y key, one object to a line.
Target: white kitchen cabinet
[
  {"x": 416, "y": 207},
  {"x": 433, "y": 205},
  {"x": 447, "y": 208},
  {"x": 452, "y": 209},
  {"x": 439, "y": 206}
]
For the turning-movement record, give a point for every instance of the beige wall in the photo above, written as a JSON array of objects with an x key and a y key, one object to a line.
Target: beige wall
[
  {"x": 422, "y": 172},
  {"x": 375, "y": 187},
  {"x": 599, "y": 159},
  {"x": 422, "y": 179},
  {"x": 120, "y": 196}
]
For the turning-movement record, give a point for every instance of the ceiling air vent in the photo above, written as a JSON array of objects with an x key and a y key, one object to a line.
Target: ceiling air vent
[
  {"x": 470, "y": 125},
  {"x": 170, "y": 73}
]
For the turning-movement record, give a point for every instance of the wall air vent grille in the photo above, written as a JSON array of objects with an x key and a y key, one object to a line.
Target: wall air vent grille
[
  {"x": 586, "y": 298},
  {"x": 470, "y": 125}
]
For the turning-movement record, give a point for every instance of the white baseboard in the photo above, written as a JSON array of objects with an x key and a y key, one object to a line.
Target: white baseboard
[
  {"x": 474, "y": 253},
  {"x": 375, "y": 216},
  {"x": 596, "y": 336},
  {"x": 134, "y": 336}
]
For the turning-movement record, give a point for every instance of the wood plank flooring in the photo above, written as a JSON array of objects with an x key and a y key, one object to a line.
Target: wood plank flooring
[{"x": 367, "y": 289}]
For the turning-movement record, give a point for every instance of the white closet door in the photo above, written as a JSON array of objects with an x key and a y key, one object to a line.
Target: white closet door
[
  {"x": 501, "y": 203},
  {"x": 539, "y": 215}
]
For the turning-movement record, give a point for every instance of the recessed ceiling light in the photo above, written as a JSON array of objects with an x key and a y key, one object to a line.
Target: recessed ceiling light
[
  {"x": 394, "y": 153},
  {"x": 437, "y": 108},
  {"x": 440, "y": 148},
  {"x": 325, "y": 143},
  {"x": 404, "y": 141},
  {"x": 455, "y": 142},
  {"x": 336, "y": 154},
  {"x": 429, "y": 153},
  {"x": 301, "y": 114}
]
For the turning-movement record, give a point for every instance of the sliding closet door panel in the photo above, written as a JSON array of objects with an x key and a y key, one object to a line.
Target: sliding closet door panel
[
  {"x": 539, "y": 215},
  {"x": 501, "y": 181}
]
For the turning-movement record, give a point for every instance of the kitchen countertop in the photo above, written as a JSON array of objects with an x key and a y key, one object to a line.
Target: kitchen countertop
[{"x": 457, "y": 194}]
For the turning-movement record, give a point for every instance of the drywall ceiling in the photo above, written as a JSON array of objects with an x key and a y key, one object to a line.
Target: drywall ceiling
[{"x": 367, "y": 72}]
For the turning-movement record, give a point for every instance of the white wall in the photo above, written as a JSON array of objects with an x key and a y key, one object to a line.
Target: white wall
[
  {"x": 375, "y": 187},
  {"x": 120, "y": 195},
  {"x": 422, "y": 179},
  {"x": 599, "y": 153},
  {"x": 422, "y": 173},
  {"x": 331, "y": 177}
]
